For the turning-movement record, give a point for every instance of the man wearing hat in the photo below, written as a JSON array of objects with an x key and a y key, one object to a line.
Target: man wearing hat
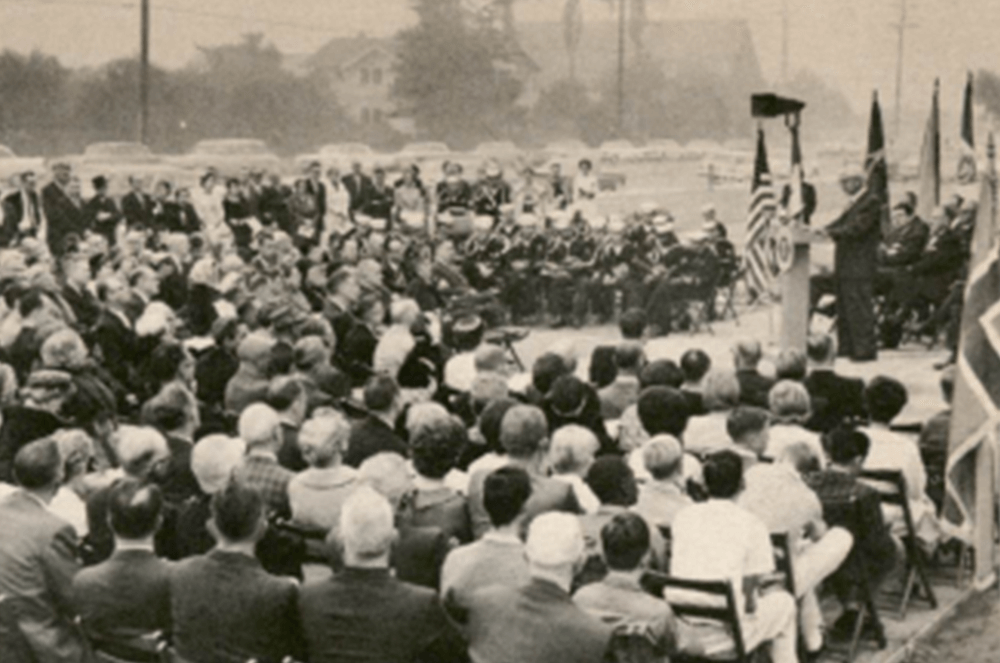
[
  {"x": 101, "y": 212},
  {"x": 22, "y": 213},
  {"x": 558, "y": 279},
  {"x": 856, "y": 235},
  {"x": 63, "y": 214}
]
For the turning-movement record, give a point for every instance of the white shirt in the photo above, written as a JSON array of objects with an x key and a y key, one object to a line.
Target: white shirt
[
  {"x": 719, "y": 540},
  {"x": 68, "y": 506},
  {"x": 781, "y": 436},
  {"x": 707, "y": 433},
  {"x": 776, "y": 493},
  {"x": 460, "y": 371},
  {"x": 584, "y": 495}
]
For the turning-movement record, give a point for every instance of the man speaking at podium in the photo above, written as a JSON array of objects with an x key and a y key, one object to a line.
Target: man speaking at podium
[{"x": 856, "y": 235}]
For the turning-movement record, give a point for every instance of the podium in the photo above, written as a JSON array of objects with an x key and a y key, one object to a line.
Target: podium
[{"x": 796, "y": 241}]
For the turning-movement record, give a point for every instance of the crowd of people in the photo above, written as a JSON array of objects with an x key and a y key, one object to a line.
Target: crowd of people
[{"x": 250, "y": 442}]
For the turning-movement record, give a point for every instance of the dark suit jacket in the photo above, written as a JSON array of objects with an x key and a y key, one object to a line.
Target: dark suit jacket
[
  {"x": 22, "y": 425},
  {"x": 906, "y": 242},
  {"x": 857, "y": 234},
  {"x": 535, "y": 623},
  {"x": 368, "y": 615},
  {"x": 546, "y": 495},
  {"x": 212, "y": 372},
  {"x": 442, "y": 508},
  {"x": 371, "y": 436},
  {"x": 359, "y": 188},
  {"x": 754, "y": 388},
  {"x": 137, "y": 209},
  {"x": 37, "y": 565},
  {"x": 318, "y": 191},
  {"x": 226, "y": 609},
  {"x": 13, "y": 212},
  {"x": 834, "y": 399},
  {"x": 124, "y": 597},
  {"x": 419, "y": 554},
  {"x": 62, "y": 215},
  {"x": 106, "y": 207},
  {"x": 118, "y": 346},
  {"x": 359, "y": 353},
  {"x": 85, "y": 306}
]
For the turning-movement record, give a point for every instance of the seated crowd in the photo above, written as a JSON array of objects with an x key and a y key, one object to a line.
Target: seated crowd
[{"x": 251, "y": 450}]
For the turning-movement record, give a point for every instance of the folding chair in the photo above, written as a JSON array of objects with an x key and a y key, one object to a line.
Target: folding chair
[
  {"x": 847, "y": 514},
  {"x": 783, "y": 560},
  {"x": 916, "y": 570},
  {"x": 722, "y": 609},
  {"x": 14, "y": 647}
]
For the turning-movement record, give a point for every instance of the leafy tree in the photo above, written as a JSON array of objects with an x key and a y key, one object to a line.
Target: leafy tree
[
  {"x": 456, "y": 77},
  {"x": 33, "y": 89}
]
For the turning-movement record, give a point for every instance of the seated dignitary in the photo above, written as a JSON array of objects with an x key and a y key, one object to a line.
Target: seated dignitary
[
  {"x": 538, "y": 621},
  {"x": 365, "y": 612},
  {"x": 224, "y": 606},
  {"x": 719, "y": 540},
  {"x": 38, "y": 562},
  {"x": 317, "y": 494},
  {"x": 524, "y": 433},
  {"x": 778, "y": 495},
  {"x": 128, "y": 595},
  {"x": 619, "y": 599},
  {"x": 498, "y": 557}
]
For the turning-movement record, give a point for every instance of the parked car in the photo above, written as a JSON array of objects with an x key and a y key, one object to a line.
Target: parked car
[
  {"x": 341, "y": 155},
  {"x": 429, "y": 156},
  {"x": 230, "y": 156},
  {"x": 118, "y": 161},
  {"x": 12, "y": 165},
  {"x": 618, "y": 151},
  {"x": 662, "y": 149}
]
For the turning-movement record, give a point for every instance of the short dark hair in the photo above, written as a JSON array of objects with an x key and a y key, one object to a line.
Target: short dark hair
[
  {"x": 546, "y": 370},
  {"x": 632, "y": 323},
  {"x": 846, "y": 444},
  {"x": 744, "y": 420},
  {"x": 628, "y": 356},
  {"x": 134, "y": 508},
  {"x": 695, "y": 364},
  {"x": 603, "y": 368},
  {"x": 166, "y": 361},
  {"x": 723, "y": 473},
  {"x": 283, "y": 392},
  {"x": 436, "y": 447},
  {"x": 380, "y": 393},
  {"x": 886, "y": 397},
  {"x": 236, "y": 511},
  {"x": 612, "y": 481},
  {"x": 505, "y": 493},
  {"x": 38, "y": 464},
  {"x": 166, "y": 416},
  {"x": 281, "y": 360},
  {"x": 490, "y": 421},
  {"x": 661, "y": 373},
  {"x": 819, "y": 347},
  {"x": 625, "y": 540},
  {"x": 790, "y": 365},
  {"x": 663, "y": 410}
]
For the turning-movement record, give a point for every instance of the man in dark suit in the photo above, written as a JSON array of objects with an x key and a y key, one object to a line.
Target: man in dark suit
[
  {"x": 137, "y": 206},
  {"x": 375, "y": 433},
  {"x": 316, "y": 188},
  {"x": 63, "y": 214},
  {"x": 114, "y": 334},
  {"x": 39, "y": 414},
  {"x": 359, "y": 188},
  {"x": 905, "y": 242},
  {"x": 380, "y": 199},
  {"x": 835, "y": 399},
  {"x": 537, "y": 622},
  {"x": 224, "y": 607},
  {"x": 128, "y": 596},
  {"x": 21, "y": 211},
  {"x": 84, "y": 304},
  {"x": 524, "y": 434},
  {"x": 754, "y": 387},
  {"x": 179, "y": 214},
  {"x": 856, "y": 234},
  {"x": 101, "y": 212},
  {"x": 37, "y": 563}
]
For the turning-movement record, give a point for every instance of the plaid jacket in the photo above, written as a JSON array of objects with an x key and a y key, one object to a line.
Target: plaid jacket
[{"x": 267, "y": 477}]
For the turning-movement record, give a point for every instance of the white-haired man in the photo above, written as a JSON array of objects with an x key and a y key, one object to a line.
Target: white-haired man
[
  {"x": 538, "y": 622},
  {"x": 260, "y": 429},
  {"x": 213, "y": 460},
  {"x": 317, "y": 494},
  {"x": 365, "y": 609}
]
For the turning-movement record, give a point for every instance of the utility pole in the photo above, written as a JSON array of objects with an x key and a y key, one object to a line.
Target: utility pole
[
  {"x": 621, "y": 68},
  {"x": 144, "y": 73},
  {"x": 784, "y": 41},
  {"x": 901, "y": 27}
]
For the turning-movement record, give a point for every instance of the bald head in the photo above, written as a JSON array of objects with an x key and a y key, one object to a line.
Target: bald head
[
  {"x": 260, "y": 428},
  {"x": 524, "y": 431},
  {"x": 213, "y": 460}
]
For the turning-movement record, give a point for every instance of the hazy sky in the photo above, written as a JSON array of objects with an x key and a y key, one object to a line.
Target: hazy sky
[{"x": 851, "y": 41}]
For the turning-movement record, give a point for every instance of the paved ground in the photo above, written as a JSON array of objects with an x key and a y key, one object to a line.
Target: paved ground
[{"x": 971, "y": 636}]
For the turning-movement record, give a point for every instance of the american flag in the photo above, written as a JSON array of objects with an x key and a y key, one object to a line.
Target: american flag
[
  {"x": 976, "y": 412},
  {"x": 967, "y": 160},
  {"x": 758, "y": 256}
]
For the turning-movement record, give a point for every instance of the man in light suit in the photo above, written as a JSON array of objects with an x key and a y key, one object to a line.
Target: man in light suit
[{"x": 37, "y": 564}]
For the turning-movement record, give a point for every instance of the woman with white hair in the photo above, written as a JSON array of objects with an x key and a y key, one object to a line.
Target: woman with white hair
[
  {"x": 720, "y": 394},
  {"x": 69, "y": 503},
  {"x": 213, "y": 460},
  {"x": 317, "y": 494},
  {"x": 790, "y": 409},
  {"x": 397, "y": 342}
]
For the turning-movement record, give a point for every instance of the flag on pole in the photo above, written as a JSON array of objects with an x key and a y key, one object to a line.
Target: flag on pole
[
  {"x": 757, "y": 254},
  {"x": 876, "y": 170},
  {"x": 976, "y": 404},
  {"x": 967, "y": 160},
  {"x": 930, "y": 162}
]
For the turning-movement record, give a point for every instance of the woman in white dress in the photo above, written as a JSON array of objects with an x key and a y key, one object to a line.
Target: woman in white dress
[{"x": 585, "y": 190}]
